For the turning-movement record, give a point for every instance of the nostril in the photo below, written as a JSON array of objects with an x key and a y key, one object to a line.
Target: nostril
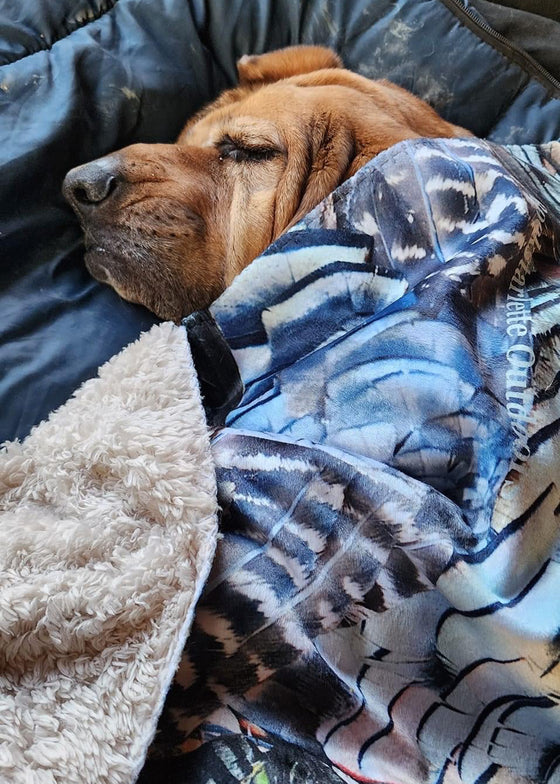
[
  {"x": 95, "y": 189},
  {"x": 91, "y": 184},
  {"x": 80, "y": 194}
]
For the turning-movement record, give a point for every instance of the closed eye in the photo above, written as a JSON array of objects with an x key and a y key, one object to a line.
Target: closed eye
[{"x": 240, "y": 152}]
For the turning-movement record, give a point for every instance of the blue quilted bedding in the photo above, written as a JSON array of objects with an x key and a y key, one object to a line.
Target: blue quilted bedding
[{"x": 385, "y": 603}]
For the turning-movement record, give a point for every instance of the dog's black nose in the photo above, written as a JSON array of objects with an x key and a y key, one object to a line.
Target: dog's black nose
[{"x": 90, "y": 184}]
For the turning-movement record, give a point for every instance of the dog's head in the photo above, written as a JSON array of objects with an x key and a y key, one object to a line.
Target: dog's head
[{"x": 170, "y": 225}]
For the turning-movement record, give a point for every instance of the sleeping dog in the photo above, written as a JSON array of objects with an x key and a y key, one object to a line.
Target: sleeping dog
[{"x": 170, "y": 225}]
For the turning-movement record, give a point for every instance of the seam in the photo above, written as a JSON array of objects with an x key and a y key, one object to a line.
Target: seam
[
  {"x": 510, "y": 52},
  {"x": 106, "y": 7}
]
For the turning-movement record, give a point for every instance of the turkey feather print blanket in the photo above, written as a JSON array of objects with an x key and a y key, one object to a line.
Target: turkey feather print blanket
[{"x": 384, "y": 605}]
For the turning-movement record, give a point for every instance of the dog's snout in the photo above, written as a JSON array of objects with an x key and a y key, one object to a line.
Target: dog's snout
[{"x": 91, "y": 184}]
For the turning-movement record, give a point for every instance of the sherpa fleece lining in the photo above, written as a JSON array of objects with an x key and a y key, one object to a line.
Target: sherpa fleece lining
[{"x": 107, "y": 532}]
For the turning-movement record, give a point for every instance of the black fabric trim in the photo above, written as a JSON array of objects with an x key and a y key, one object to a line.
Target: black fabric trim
[{"x": 218, "y": 375}]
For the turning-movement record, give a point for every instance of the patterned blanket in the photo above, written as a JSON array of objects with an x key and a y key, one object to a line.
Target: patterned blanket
[{"x": 385, "y": 601}]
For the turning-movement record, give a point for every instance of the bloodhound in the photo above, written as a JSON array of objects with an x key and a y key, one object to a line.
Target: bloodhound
[{"x": 170, "y": 225}]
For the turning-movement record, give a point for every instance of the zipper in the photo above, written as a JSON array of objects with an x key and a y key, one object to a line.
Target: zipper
[{"x": 518, "y": 55}]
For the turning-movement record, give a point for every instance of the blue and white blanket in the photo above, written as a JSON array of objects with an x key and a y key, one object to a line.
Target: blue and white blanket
[{"x": 386, "y": 595}]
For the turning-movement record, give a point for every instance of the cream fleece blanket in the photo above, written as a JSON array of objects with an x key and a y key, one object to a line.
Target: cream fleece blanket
[{"x": 107, "y": 532}]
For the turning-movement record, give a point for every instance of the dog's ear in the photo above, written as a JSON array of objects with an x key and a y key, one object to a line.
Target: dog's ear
[
  {"x": 317, "y": 164},
  {"x": 283, "y": 63}
]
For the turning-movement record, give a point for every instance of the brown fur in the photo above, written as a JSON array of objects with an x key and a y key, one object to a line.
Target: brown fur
[{"x": 182, "y": 220}]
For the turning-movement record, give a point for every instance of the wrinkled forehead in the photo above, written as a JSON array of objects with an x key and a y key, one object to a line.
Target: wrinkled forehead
[{"x": 263, "y": 116}]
